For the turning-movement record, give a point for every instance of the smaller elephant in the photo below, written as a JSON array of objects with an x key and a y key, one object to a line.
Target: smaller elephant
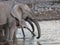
[
  {"x": 26, "y": 15},
  {"x": 25, "y": 12},
  {"x": 10, "y": 14}
]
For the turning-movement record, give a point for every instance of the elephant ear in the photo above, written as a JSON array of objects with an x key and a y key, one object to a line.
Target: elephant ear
[
  {"x": 17, "y": 12},
  {"x": 27, "y": 8}
]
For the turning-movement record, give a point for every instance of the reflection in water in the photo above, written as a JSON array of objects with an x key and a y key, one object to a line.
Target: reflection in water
[
  {"x": 30, "y": 41},
  {"x": 50, "y": 34}
]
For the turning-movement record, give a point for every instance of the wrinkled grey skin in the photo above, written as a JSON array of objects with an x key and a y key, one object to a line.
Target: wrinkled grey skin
[
  {"x": 16, "y": 9},
  {"x": 26, "y": 12},
  {"x": 7, "y": 7},
  {"x": 6, "y": 19}
]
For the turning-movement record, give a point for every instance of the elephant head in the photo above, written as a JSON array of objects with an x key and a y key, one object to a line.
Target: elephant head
[
  {"x": 20, "y": 12},
  {"x": 17, "y": 13}
]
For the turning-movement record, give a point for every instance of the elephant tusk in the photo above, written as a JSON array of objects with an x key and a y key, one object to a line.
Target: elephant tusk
[
  {"x": 37, "y": 25},
  {"x": 30, "y": 24},
  {"x": 30, "y": 30}
]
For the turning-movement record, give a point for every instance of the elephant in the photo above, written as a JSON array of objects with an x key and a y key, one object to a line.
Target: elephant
[
  {"x": 29, "y": 21},
  {"x": 10, "y": 13},
  {"x": 27, "y": 14},
  {"x": 7, "y": 22}
]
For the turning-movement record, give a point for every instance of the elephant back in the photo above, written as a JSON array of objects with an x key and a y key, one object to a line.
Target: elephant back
[{"x": 5, "y": 7}]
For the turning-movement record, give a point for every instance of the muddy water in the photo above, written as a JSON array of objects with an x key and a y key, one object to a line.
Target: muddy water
[{"x": 50, "y": 34}]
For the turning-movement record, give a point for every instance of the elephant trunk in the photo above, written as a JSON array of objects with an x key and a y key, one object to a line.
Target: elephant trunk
[{"x": 37, "y": 25}]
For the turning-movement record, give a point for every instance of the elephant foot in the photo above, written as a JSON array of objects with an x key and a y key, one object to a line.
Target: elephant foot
[
  {"x": 9, "y": 43},
  {"x": 2, "y": 39},
  {"x": 6, "y": 43}
]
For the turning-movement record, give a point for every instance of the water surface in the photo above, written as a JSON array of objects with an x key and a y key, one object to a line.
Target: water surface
[{"x": 50, "y": 34}]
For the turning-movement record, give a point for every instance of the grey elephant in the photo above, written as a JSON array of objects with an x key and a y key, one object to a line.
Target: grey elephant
[
  {"x": 29, "y": 20},
  {"x": 10, "y": 12},
  {"x": 26, "y": 15},
  {"x": 7, "y": 22}
]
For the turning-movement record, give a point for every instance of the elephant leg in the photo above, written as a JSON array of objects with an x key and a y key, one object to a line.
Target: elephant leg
[
  {"x": 12, "y": 29},
  {"x": 14, "y": 37},
  {"x": 30, "y": 24},
  {"x": 30, "y": 30},
  {"x": 6, "y": 32},
  {"x": 37, "y": 25}
]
